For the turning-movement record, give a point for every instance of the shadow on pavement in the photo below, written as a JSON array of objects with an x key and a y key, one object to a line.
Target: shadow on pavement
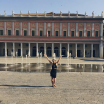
[{"x": 23, "y": 86}]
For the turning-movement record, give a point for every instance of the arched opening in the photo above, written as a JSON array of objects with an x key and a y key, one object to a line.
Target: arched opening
[
  {"x": 42, "y": 50},
  {"x": 34, "y": 51},
  {"x": 64, "y": 51},
  {"x": 56, "y": 51},
  {"x": 49, "y": 51}
]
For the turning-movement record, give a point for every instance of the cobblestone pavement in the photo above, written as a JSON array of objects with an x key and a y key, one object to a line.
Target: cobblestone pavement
[
  {"x": 63, "y": 60},
  {"x": 35, "y": 88}
]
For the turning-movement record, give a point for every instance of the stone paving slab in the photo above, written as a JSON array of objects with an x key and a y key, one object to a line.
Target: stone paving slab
[{"x": 35, "y": 88}]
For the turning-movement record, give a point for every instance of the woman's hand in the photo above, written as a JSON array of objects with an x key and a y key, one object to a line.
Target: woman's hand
[
  {"x": 62, "y": 55},
  {"x": 45, "y": 55}
]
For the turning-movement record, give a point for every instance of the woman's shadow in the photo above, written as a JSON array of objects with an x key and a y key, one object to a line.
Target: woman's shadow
[{"x": 23, "y": 86}]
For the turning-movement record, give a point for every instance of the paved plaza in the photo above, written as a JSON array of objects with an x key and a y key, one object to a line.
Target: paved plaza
[{"x": 35, "y": 88}]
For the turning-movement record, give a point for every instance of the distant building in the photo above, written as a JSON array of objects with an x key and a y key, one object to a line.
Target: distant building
[{"x": 32, "y": 33}]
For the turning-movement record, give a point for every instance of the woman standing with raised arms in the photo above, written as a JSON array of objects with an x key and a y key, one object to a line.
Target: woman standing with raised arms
[{"x": 54, "y": 69}]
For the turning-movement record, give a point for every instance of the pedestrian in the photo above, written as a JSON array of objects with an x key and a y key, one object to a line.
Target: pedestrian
[{"x": 53, "y": 72}]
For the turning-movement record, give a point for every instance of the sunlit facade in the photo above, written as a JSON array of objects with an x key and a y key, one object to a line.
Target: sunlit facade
[{"x": 32, "y": 33}]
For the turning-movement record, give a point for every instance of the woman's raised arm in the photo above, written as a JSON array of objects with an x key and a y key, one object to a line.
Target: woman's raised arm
[
  {"x": 59, "y": 60},
  {"x": 48, "y": 59}
]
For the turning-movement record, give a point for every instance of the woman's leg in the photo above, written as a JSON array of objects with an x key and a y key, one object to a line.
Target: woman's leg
[{"x": 54, "y": 82}]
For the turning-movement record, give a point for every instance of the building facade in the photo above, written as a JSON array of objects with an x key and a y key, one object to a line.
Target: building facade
[{"x": 32, "y": 33}]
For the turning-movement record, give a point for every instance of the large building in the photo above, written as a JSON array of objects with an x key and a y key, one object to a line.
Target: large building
[{"x": 32, "y": 33}]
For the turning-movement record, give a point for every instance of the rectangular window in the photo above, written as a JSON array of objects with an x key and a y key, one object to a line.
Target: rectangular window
[
  {"x": 25, "y": 32},
  {"x": 49, "y": 33},
  {"x": 17, "y": 32},
  {"x": 96, "y": 33},
  {"x": 33, "y": 33},
  {"x": 72, "y": 33},
  {"x": 88, "y": 33},
  {"x": 80, "y": 33},
  {"x": 9, "y": 32},
  {"x": 56, "y": 33},
  {"x": 1, "y": 32},
  {"x": 41, "y": 33},
  {"x": 64, "y": 33}
]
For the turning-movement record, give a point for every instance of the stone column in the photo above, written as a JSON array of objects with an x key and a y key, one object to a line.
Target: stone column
[
  {"x": 37, "y": 29},
  {"x": 76, "y": 50},
  {"x": 36, "y": 49},
  {"x": 60, "y": 48},
  {"x": 13, "y": 49},
  {"x": 29, "y": 50},
  {"x": 13, "y": 27},
  {"x": 52, "y": 49},
  {"x": 60, "y": 29},
  {"x": 84, "y": 50},
  {"x": 44, "y": 29},
  {"x": 52, "y": 29},
  {"x": 84, "y": 29},
  {"x": 92, "y": 29},
  {"x": 44, "y": 48},
  {"x": 68, "y": 29},
  {"x": 101, "y": 49},
  {"x": 21, "y": 28},
  {"x": 92, "y": 50},
  {"x": 5, "y": 49},
  {"x": 5, "y": 28},
  {"x": 28, "y": 28},
  {"x": 76, "y": 28},
  {"x": 21, "y": 49}
]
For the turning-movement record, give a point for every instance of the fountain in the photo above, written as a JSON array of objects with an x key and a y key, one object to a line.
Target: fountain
[
  {"x": 91, "y": 67},
  {"x": 6, "y": 62},
  {"x": 39, "y": 61},
  {"x": 16, "y": 58},
  {"x": 22, "y": 63},
  {"x": 96, "y": 67},
  {"x": 29, "y": 59},
  {"x": 12, "y": 59},
  {"x": 69, "y": 62}
]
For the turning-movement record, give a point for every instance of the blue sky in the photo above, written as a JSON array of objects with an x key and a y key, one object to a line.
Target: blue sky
[{"x": 52, "y": 5}]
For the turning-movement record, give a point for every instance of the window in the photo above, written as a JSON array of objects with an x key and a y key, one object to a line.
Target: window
[
  {"x": 41, "y": 33},
  {"x": 96, "y": 33},
  {"x": 49, "y": 33},
  {"x": 88, "y": 33},
  {"x": 64, "y": 33},
  {"x": 1, "y": 32},
  {"x": 33, "y": 33},
  {"x": 9, "y": 32},
  {"x": 17, "y": 32},
  {"x": 25, "y": 32},
  {"x": 72, "y": 33},
  {"x": 56, "y": 33},
  {"x": 80, "y": 33}
]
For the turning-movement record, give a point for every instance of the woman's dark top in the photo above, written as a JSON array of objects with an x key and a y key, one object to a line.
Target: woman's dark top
[{"x": 54, "y": 70}]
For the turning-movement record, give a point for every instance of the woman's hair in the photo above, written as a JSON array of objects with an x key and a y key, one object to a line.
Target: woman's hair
[{"x": 53, "y": 60}]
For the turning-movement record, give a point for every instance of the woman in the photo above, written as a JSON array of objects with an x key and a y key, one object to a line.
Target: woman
[{"x": 54, "y": 69}]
